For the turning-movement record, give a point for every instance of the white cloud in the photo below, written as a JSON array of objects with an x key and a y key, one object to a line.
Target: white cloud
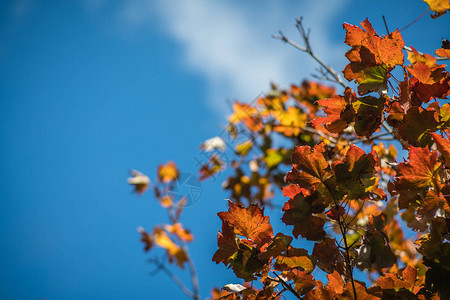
[{"x": 229, "y": 41}]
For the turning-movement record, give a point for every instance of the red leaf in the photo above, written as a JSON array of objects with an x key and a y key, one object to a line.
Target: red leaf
[{"x": 226, "y": 240}]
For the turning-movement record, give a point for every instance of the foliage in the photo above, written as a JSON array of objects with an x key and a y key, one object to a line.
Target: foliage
[{"x": 341, "y": 186}]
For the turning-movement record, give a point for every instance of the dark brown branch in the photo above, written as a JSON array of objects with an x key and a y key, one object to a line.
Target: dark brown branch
[
  {"x": 343, "y": 228},
  {"x": 374, "y": 137},
  {"x": 287, "y": 286}
]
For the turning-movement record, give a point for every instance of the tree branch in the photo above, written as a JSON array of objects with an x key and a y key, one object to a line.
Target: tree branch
[
  {"x": 192, "y": 270},
  {"x": 287, "y": 286},
  {"x": 194, "y": 276},
  {"x": 173, "y": 277},
  {"x": 307, "y": 49}
]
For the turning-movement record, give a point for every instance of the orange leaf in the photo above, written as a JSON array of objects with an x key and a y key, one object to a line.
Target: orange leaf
[
  {"x": 248, "y": 115},
  {"x": 249, "y": 222},
  {"x": 310, "y": 167},
  {"x": 335, "y": 282},
  {"x": 372, "y": 57},
  {"x": 339, "y": 112},
  {"x": 443, "y": 53},
  {"x": 414, "y": 56},
  {"x": 173, "y": 250},
  {"x": 292, "y": 190},
  {"x": 439, "y": 7},
  {"x": 421, "y": 168},
  {"x": 178, "y": 230},
  {"x": 167, "y": 172}
]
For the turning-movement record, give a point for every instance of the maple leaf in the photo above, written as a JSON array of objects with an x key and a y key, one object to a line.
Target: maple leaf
[
  {"x": 303, "y": 281},
  {"x": 310, "y": 167},
  {"x": 416, "y": 124},
  {"x": 226, "y": 240},
  {"x": 369, "y": 115},
  {"x": 420, "y": 170},
  {"x": 168, "y": 172},
  {"x": 366, "y": 112},
  {"x": 438, "y": 7},
  {"x": 426, "y": 74},
  {"x": 432, "y": 245},
  {"x": 372, "y": 57},
  {"x": 211, "y": 167},
  {"x": 354, "y": 175},
  {"x": 335, "y": 282},
  {"x": 298, "y": 212},
  {"x": 430, "y": 80},
  {"x": 249, "y": 222},
  {"x": 426, "y": 92},
  {"x": 340, "y": 112},
  {"x": 375, "y": 251},
  {"x": 327, "y": 255}
]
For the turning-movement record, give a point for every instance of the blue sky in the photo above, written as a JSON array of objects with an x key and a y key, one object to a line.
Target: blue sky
[{"x": 91, "y": 89}]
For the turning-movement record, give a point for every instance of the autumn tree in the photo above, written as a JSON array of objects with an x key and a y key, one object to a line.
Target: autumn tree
[{"x": 334, "y": 157}]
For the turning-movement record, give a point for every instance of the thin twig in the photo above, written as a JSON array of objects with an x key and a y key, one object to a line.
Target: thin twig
[
  {"x": 385, "y": 25},
  {"x": 343, "y": 228},
  {"x": 374, "y": 137},
  {"x": 194, "y": 276},
  {"x": 287, "y": 286},
  {"x": 414, "y": 21},
  {"x": 192, "y": 270},
  {"x": 307, "y": 49},
  {"x": 173, "y": 277}
]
